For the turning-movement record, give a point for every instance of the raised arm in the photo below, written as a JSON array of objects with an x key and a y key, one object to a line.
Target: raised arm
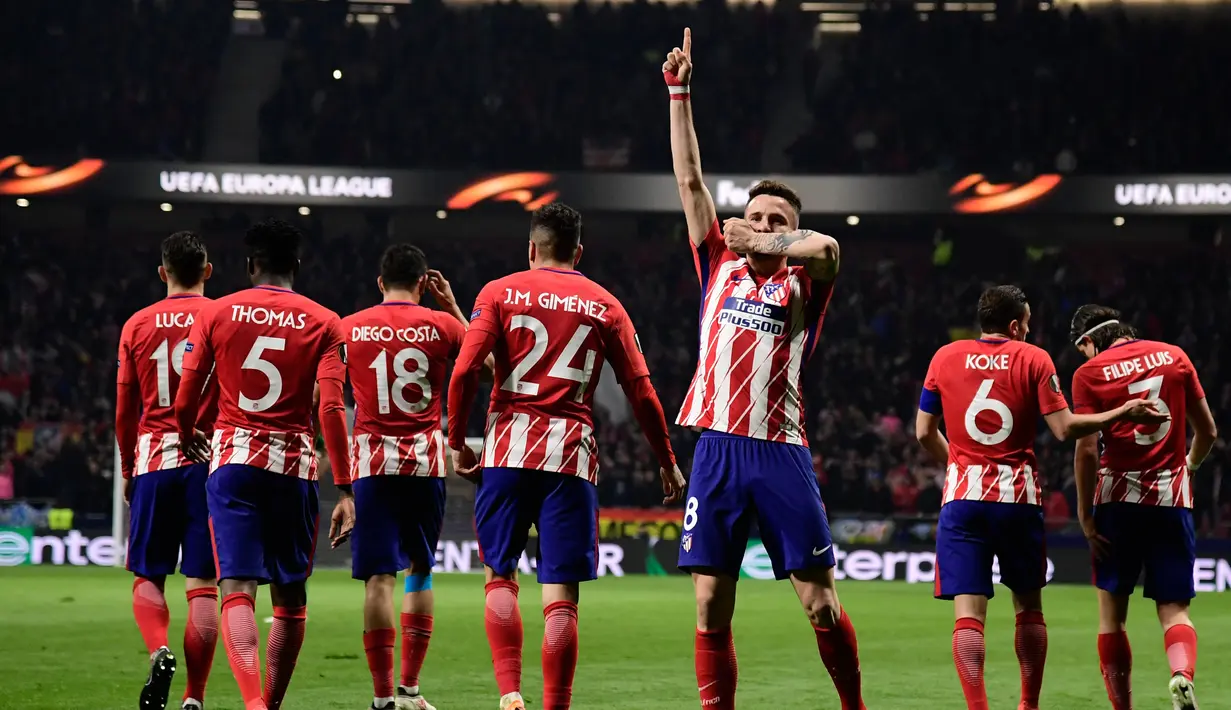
[
  {"x": 699, "y": 210},
  {"x": 1065, "y": 425}
]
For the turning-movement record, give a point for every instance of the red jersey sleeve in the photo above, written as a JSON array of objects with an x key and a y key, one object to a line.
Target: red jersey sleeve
[
  {"x": 1047, "y": 384},
  {"x": 486, "y": 313},
  {"x": 1193, "y": 391},
  {"x": 623, "y": 347},
  {"x": 332, "y": 365},
  {"x": 929, "y": 396},
  {"x": 479, "y": 340},
  {"x": 127, "y": 370},
  {"x": 1084, "y": 399},
  {"x": 711, "y": 253}
]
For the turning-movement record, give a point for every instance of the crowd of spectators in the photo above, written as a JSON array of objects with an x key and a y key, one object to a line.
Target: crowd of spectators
[
  {"x": 109, "y": 78},
  {"x": 891, "y": 310},
  {"x": 512, "y": 85},
  {"x": 1043, "y": 91}
]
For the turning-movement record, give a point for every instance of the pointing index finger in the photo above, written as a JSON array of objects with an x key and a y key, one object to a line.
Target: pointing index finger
[{"x": 688, "y": 42}]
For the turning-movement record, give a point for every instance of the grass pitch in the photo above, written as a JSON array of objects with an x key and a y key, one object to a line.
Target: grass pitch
[{"x": 67, "y": 639}]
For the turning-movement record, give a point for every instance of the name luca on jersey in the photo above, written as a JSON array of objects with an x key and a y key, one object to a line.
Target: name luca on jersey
[
  {"x": 1137, "y": 365},
  {"x": 268, "y": 316},
  {"x": 556, "y": 302},
  {"x": 173, "y": 320}
]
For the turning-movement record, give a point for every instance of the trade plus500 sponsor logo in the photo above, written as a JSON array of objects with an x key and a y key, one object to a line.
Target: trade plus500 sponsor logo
[
  {"x": 867, "y": 565},
  {"x": 19, "y": 546}
]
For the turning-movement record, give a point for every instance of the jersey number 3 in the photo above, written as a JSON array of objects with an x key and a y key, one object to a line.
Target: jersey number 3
[
  {"x": 1151, "y": 388},
  {"x": 983, "y": 403},
  {"x": 560, "y": 369}
]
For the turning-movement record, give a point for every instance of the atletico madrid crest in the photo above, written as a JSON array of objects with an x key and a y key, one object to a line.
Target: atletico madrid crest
[
  {"x": 772, "y": 292},
  {"x": 686, "y": 542}
]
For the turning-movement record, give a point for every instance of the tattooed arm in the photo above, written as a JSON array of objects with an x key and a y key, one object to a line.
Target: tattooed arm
[{"x": 819, "y": 250}]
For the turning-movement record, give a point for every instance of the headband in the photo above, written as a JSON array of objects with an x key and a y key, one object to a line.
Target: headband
[{"x": 1086, "y": 334}]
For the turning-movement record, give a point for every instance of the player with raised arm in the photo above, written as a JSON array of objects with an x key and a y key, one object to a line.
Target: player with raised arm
[
  {"x": 550, "y": 329},
  {"x": 1135, "y": 500},
  {"x": 398, "y": 355},
  {"x": 991, "y": 392},
  {"x": 168, "y": 521},
  {"x": 269, "y": 348},
  {"x": 760, "y": 319}
]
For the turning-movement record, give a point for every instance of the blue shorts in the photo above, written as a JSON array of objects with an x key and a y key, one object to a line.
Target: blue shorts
[
  {"x": 397, "y": 520},
  {"x": 168, "y": 514},
  {"x": 564, "y": 510},
  {"x": 1157, "y": 540},
  {"x": 263, "y": 523},
  {"x": 734, "y": 479},
  {"x": 973, "y": 532}
]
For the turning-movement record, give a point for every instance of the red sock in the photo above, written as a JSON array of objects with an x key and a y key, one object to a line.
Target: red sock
[
  {"x": 282, "y": 650},
  {"x": 840, "y": 654},
  {"x": 1030, "y": 640},
  {"x": 717, "y": 669},
  {"x": 1181, "y": 644},
  {"x": 378, "y": 645},
  {"x": 200, "y": 639},
  {"x": 559, "y": 654},
  {"x": 969, "y": 651},
  {"x": 243, "y": 647},
  {"x": 1116, "y": 661},
  {"x": 416, "y": 634},
  {"x": 150, "y": 611},
  {"x": 504, "y": 634}
]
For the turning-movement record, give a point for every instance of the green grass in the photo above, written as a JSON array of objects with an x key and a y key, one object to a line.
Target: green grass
[{"x": 67, "y": 639}]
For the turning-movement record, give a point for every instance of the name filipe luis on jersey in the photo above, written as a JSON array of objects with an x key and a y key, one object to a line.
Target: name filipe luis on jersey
[{"x": 753, "y": 315}]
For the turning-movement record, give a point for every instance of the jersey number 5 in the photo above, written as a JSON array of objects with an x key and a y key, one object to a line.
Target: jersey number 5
[
  {"x": 983, "y": 403},
  {"x": 397, "y": 392},
  {"x": 560, "y": 369},
  {"x": 254, "y": 361},
  {"x": 1152, "y": 387}
]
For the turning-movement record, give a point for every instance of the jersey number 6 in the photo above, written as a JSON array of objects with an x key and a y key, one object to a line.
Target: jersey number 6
[{"x": 983, "y": 403}]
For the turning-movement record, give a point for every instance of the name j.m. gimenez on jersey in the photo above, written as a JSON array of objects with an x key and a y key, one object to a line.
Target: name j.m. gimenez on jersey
[
  {"x": 556, "y": 302},
  {"x": 268, "y": 316},
  {"x": 173, "y": 320},
  {"x": 389, "y": 334},
  {"x": 1137, "y": 365}
]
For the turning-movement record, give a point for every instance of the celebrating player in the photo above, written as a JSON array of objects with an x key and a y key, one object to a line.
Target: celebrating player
[
  {"x": 398, "y": 354},
  {"x": 991, "y": 392},
  {"x": 268, "y": 347},
  {"x": 760, "y": 319},
  {"x": 1135, "y": 504},
  {"x": 166, "y": 491},
  {"x": 550, "y": 329}
]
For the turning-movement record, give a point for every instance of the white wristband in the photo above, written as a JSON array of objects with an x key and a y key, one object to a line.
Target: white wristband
[{"x": 676, "y": 90}]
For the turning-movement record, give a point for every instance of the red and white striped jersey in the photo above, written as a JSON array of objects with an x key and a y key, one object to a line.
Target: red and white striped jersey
[
  {"x": 268, "y": 347},
  {"x": 756, "y": 335},
  {"x": 992, "y": 393},
  {"x": 1141, "y": 464},
  {"x": 151, "y": 355},
  {"x": 398, "y": 354},
  {"x": 550, "y": 331}
]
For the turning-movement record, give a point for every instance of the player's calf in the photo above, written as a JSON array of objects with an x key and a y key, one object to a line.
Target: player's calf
[
  {"x": 379, "y": 636},
  {"x": 1030, "y": 643},
  {"x": 1180, "y": 641},
  {"x": 835, "y": 635},
  {"x": 285, "y": 640},
  {"x": 200, "y": 638},
  {"x": 717, "y": 667},
  {"x": 418, "y": 607},
  {"x": 505, "y": 635}
]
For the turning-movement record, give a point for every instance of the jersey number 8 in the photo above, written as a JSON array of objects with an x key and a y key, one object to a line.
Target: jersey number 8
[{"x": 417, "y": 377}]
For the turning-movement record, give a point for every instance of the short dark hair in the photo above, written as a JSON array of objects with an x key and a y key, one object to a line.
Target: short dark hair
[
  {"x": 184, "y": 257},
  {"x": 402, "y": 265},
  {"x": 556, "y": 228},
  {"x": 999, "y": 306},
  {"x": 273, "y": 246},
  {"x": 1093, "y": 315},
  {"x": 777, "y": 188}
]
